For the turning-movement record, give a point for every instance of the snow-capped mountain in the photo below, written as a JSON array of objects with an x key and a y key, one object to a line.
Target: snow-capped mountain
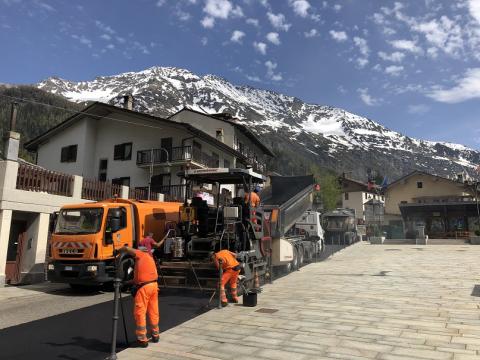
[{"x": 297, "y": 131}]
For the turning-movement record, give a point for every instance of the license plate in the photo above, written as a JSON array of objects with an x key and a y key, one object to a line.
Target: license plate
[
  {"x": 69, "y": 251},
  {"x": 68, "y": 268}
]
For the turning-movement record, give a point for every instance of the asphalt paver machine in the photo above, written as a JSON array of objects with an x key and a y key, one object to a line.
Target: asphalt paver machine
[{"x": 231, "y": 223}]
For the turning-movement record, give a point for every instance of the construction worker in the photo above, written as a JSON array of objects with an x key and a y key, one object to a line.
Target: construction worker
[
  {"x": 150, "y": 243},
  {"x": 231, "y": 270},
  {"x": 254, "y": 203},
  {"x": 146, "y": 296},
  {"x": 254, "y": 197}
]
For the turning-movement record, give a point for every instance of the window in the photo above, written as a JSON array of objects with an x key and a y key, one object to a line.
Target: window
[
  {"x": 346, "y": 196},
  {"x": 219, "y": 134},
  {"x": 226, "y": 163},
  {"x": 69, "y": 154},
  {"x": 216, "y": 159},
  {"x": 125, "y": 181},
  {"x": 102, "y": 170},
  {"x": 122, "y": 151},
  {"x": 419, "y": 184}
]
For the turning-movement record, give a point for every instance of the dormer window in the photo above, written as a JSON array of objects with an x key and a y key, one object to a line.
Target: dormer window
[{"x": 219, "y": 134}]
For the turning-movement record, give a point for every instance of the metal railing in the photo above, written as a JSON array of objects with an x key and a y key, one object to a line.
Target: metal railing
[
  {"x": 99, "y": 190},
  {"x": 179, "y": 153},
  {"x": 173, "y": 192},
  {"x": 33, "y": 178}
]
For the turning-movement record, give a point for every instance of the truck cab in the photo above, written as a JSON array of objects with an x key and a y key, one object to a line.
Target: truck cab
[{"x": 86, "y": 235}]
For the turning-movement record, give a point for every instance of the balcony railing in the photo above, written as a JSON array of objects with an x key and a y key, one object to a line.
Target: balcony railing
[
  {"x": 33, "y": 178},
  {"x": 99, "y": 190},
  {"x": 176, "y": 154}
]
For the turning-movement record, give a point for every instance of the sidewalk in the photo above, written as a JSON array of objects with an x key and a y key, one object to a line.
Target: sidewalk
[{"x": 388, "y": 302}]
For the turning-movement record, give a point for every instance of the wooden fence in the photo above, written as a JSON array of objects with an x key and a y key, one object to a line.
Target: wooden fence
[
  {"x": 34, "y": 178},
  {"x": 99, "y": 190}
]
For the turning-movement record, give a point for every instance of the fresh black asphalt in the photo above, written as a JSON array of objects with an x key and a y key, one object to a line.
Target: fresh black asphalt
[{"x": 85, "y": 333}]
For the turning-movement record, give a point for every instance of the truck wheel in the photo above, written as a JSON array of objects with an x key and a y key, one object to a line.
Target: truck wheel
[
  {"x": 294, "y": 262},
  {"x": 301, "y": 256},
  {"x": 250, "y": 300}
]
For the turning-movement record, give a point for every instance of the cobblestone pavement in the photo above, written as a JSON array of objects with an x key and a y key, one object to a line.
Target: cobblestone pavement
[{"x": 389, "y": 302}]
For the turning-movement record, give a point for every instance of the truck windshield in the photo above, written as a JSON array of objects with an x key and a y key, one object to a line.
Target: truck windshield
[{"x": 79, "y": 221}]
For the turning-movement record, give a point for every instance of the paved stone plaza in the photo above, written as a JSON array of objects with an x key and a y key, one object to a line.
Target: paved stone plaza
[{"x": 390, "y": 302}]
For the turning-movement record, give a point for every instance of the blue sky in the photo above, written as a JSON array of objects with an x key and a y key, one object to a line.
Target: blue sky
[{"x": 410, "y": 65}]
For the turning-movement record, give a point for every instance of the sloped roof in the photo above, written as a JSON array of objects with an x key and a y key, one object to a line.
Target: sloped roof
[
  {"x": 419, "y": 172},
  {"x": 99, "y": 110},
  {"x": 223, "y": 117}
]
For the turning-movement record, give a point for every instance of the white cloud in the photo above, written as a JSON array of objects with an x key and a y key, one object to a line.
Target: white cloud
[
  {"x": 260, "y": 47},
  {"x": 393, "y": 70},
  {"x": 106, "y": 37},
  {"x": 444, "y": 34},
  {"x": 253, "y": 22},
  {"x": 273, "y": 38},
  {"x": 104, "y": 28},
  {"x": 362, "y": 45},
  {"x": 467, "y": 88},
  {"x": 204, "y": 41},
  {"x": 339, "y": 36},
  {"x": 208, "y": 22},
  {"x": 160, "y": 3},
  {"x": 278, "y": 21},
  {"x": 362, "y": 62},
  {"x": 311, "y": 33},
  {"x": 271, "y": 66},
  {"x": 419, "y": 109},
  {"x": 396, "y": 56},
  {"x": 337, "y": 7},
  {"x": 300, "y": 7},
  {"x": 474, "y": 7},
  {"x": 237, "y": 36},
  {"x": 407, "y": 45},
  {"x": 110, "y": 46},
  {"x": 253, "y": 78},
  {"x": 367, "y": 98},
  {"x": 83, "y": 40},
  {"x": 222, "y": 9}
]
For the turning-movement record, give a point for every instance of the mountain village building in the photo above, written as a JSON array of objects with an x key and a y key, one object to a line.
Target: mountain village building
[
  {"x": 445, "y": 207},
  {"x": 108, "y": 143}
]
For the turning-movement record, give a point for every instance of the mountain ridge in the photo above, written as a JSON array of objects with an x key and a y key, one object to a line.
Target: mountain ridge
[{"x": 325, "y": 135}]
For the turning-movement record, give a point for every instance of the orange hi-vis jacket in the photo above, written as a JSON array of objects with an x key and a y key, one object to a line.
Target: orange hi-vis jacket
[
  {"x": 145, "y": 268},
  {"x": 254, "y": 199},
  {"x": 228, "y": 259}
]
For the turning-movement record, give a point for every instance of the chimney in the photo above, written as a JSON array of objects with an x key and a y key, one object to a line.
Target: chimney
[
  {"x": 12, "y": 138},
  {"x": 128, "y": 102}
]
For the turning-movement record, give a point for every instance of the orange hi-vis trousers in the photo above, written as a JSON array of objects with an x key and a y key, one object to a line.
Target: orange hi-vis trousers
[
  {"x": 230, "y": 277},
  {"x": 146, "y": 304}
]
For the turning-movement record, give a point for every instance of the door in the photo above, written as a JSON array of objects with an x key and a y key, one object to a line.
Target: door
[
  {"x": 166, "y": 143},
  {"x": 160, "y": 183},
  {"x": 15, "y": 251}
]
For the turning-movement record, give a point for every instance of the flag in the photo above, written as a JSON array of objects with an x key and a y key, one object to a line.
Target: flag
[{"x": 384, "y": 182}]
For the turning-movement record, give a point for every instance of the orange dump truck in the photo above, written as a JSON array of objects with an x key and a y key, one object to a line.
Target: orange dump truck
[{"x": 86, "y": 234}]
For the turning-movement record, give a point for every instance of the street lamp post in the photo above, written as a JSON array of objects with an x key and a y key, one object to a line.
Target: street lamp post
[{"x": 151, "y": 169}]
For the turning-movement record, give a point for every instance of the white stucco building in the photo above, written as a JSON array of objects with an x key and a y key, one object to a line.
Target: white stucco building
[{"x": 115, "y": 144}]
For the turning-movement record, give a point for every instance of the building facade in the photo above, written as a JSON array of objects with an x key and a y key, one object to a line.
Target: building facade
[{"x": 108, "y": 143}]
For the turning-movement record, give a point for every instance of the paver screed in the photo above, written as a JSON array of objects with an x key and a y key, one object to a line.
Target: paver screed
[{"x": 389, "y": 302}]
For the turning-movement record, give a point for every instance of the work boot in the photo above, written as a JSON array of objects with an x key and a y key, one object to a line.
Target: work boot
[
  {"x": 234, "y": 301},
  {"x": 224, "y": 303},
  {"x": 155, "y": 339},
  {"x": 142, "y": 344}
]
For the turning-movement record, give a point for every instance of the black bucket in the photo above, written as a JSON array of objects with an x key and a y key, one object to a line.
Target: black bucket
[{"x": 250, "y": 300}]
